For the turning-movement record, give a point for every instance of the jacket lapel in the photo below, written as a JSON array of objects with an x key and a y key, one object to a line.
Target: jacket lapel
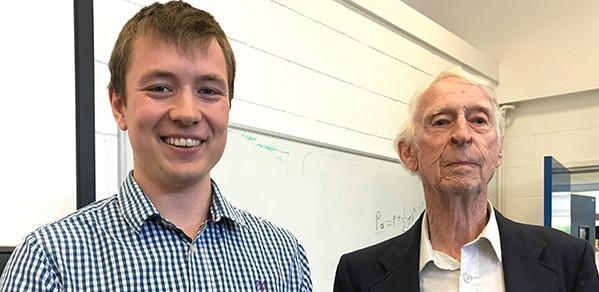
[
  {"x": 522, "y": 269},
  {"x": 401, "y": 262}
]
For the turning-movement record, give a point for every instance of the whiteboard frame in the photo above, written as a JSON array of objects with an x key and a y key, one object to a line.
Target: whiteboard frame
[
  {"x": 312, "y": 142},
  {"x": 84, "y": 102}
]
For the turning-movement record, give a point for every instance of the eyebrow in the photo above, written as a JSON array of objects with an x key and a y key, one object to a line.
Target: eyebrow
[
  {"x": 212, "y": 77},
  {"x": 476, "y": 107},
  {"x": 157, "y": 73},
  {"x": 481, "y": 108},
  {"x": 440, "y": 111}
]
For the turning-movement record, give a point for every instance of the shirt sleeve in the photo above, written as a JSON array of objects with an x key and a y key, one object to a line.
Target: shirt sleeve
[
  {"x": 304, "y": 270},
  {"x": 29, "y": 269}
]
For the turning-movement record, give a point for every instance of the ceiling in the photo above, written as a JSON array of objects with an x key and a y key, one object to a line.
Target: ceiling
[{"x": 494, "y": 26}]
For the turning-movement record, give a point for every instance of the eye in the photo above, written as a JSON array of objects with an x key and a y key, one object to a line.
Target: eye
[
  {"x": 208, "y": 91},
  {"x": 159, "y": 89},
  {"x": 480, "y": 120},
  {"x": 440, "y": 123},
  {"x": 440, "y": 119}
]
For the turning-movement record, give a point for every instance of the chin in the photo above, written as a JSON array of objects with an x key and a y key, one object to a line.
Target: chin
[
  {"x": 187, "y": 178},
  {"x": 468, "y": 187}
]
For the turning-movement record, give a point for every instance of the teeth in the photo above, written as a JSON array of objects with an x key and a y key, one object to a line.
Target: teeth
[{"x": 182, "y": 142}]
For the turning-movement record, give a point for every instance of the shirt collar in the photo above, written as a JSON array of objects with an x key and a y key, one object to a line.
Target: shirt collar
[
  {"x": 426, "y": 248},
  {"x": 490, "y": 232},
  {"x": 221, "y": 208},
  {"x": 137, "y": 207}
]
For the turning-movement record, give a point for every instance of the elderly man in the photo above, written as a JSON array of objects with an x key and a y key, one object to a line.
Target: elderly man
[{"x": 461, "y": 243}]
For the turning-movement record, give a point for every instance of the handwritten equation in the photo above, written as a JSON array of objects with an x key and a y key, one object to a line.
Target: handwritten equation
[{"x": 401, "y": 221}]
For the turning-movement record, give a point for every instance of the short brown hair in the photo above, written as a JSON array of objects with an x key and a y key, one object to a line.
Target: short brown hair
[{"x": 175, "y": 22}]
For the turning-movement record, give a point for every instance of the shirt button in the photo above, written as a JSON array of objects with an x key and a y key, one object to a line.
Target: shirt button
[
  {"x": 467, "y": 278},
  {"x": 194, "y": 249}
]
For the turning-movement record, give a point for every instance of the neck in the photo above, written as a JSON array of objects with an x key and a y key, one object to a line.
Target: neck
[
  {"x": 454, "y": 221},
  {"x": 187, "y": 208}
]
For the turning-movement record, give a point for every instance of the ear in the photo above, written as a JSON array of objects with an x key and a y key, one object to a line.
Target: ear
[
  {"x": 407, "y": 156},
  {"x": 500, "y": 152},
  {"x": 118, "y": 109}
]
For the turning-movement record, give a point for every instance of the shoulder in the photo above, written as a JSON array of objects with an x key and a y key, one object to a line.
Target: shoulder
[
  {"x": 402, "y": 248},
  {"x": 551, "y": 235},
  {"x": 549, "y": 245},
  {"x": 371, "y": 253},
  {"x": 571, "y": 258},
  {"x": 73, "y": 227},
  {"x": 553, "y": 238},
  {"x": 393, "y": 249},
  {"x": 357, "y": 269},
  {"x": 246, "y": 224},
  {"x": 265, "y": 229},
  {"x": 42, "y": 252},
  {"x": 84, "y": 214},
  {"x": 274, "y": 247}
]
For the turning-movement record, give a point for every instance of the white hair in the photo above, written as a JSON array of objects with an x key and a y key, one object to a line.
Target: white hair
[{"x": 407, "y": 131}]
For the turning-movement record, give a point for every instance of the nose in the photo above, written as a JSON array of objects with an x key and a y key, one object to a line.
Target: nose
[
  {"x": 462, "y": 134},
  {"x": 184, "y": 109}
]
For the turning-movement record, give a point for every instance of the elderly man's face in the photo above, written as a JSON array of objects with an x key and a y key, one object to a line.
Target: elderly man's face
[{"x": 457, "y": 147}]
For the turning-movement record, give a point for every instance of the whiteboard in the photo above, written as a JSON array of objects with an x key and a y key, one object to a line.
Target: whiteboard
[
  {"x": 39, "y": 167},
  {"x": 333, "y": 200}
]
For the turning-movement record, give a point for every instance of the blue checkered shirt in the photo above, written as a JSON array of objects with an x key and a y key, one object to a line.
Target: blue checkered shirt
[{"x": 122, "y": 243}]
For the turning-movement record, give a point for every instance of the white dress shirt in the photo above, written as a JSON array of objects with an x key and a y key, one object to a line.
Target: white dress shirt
[{"x": 479, "y": 269}]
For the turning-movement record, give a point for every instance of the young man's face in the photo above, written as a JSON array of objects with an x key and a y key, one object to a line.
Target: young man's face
[{"x": 176, "y": 114}]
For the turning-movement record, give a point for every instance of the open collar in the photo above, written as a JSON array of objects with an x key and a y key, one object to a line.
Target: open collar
[{"x": 136, "y": 207}]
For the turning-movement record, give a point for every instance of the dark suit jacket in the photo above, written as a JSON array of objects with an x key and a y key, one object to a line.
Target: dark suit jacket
[{"x": 535, "y": 258}]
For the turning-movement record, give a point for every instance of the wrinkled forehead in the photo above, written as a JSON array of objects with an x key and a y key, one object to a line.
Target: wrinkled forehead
[{"x": 453, "y": 91}]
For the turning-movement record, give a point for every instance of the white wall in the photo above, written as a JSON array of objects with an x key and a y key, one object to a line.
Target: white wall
[
  {"x": 38, "y": 175},
  {"x": 562, "y": 126}
]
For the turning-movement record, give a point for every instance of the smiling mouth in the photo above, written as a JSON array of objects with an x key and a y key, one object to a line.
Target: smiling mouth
[{"x": 182, "y": 142}]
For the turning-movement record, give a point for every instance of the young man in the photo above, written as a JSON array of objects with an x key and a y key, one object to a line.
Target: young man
[
  {"x": 452, "y": 140},
  {"x": 169, "y": 228}
]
